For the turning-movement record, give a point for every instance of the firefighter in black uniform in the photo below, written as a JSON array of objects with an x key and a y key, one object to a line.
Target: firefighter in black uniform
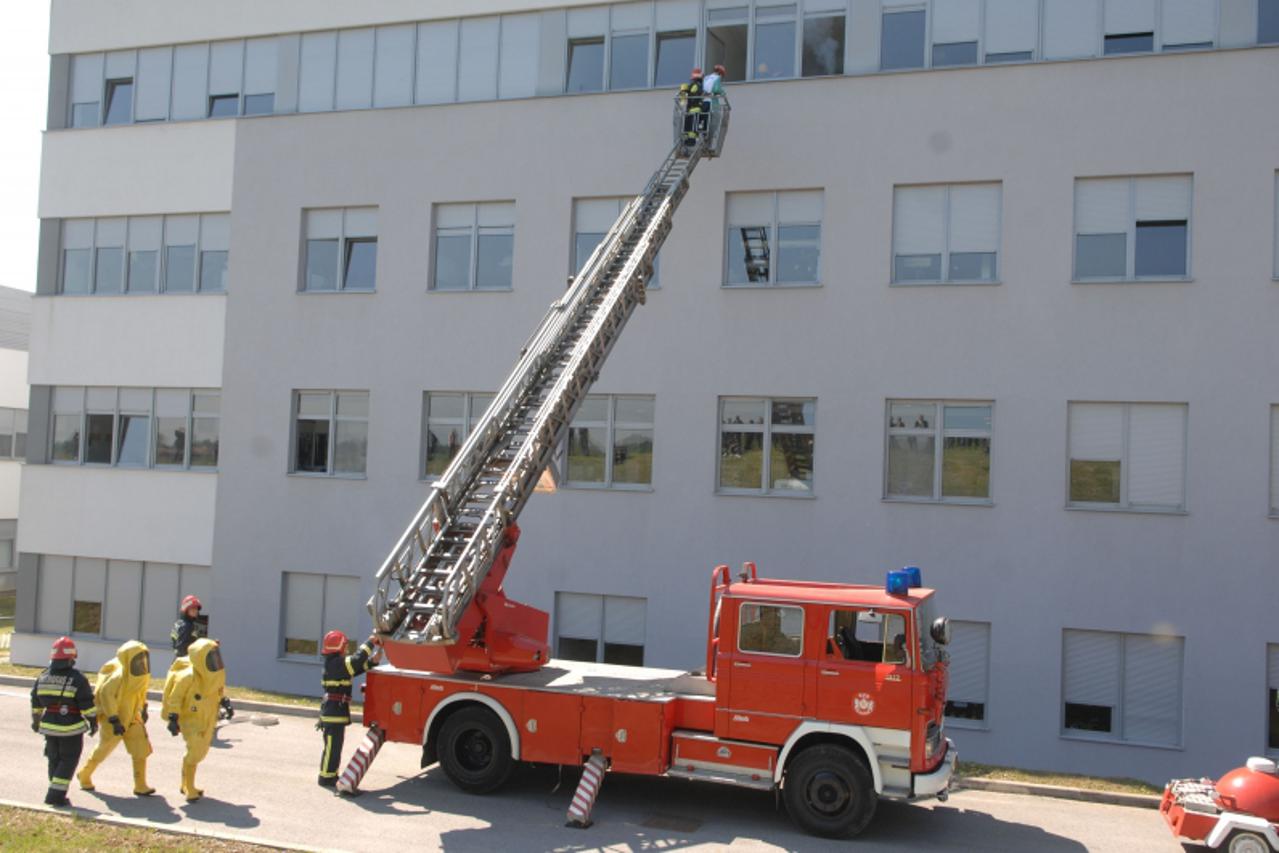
[
  {"x": 693, "y": 96},
  {"x": 62, "y": 710},
  {"x": 340, "y": 672},
  {"x": 192, "y": 626}
]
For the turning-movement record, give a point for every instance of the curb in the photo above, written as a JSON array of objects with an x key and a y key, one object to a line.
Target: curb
[
  {"x": 1034, "y": 789},
  {"x": 240, "y": 704},
  {"x": 77, "y": 813}
]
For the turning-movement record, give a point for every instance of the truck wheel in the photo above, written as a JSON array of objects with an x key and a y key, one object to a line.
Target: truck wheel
[
  {"x": 1247, "y": 842},
  {"x": 475, "y": 751},
  {"x": 829, "y": 791}
]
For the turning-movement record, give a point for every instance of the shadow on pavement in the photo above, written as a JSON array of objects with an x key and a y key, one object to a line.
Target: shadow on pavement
[
  {"x": 153, "y": 808},
  {"x": 212, "y": 810}
]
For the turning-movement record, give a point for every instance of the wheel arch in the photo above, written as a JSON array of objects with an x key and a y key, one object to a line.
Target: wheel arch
[
  {"x": 811, "y": 733},
  {"x": 457, "y": 702},
  {"x": 1231, "y": 821}
]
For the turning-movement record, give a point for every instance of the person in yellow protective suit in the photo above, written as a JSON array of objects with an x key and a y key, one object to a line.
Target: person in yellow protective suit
[
  {"x": 121, "y": 699},
  {"x": 192, "y": 694}
]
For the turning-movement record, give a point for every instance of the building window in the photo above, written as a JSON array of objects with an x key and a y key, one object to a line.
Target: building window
[
  {"x": 675, "y": 56},
  {"x": 766, "y": 446},
  {"x": 1011, "y": 31},
  {"x": 119, "y": 101},
  {"x": 769, "y": 629},
  {"x": 946, "y": 233},
  {"x": 774, "y": 238},
  {"x": 610, "y": 443},
  {"x": 1123, "y": 687},
  {"x": 331, "y": 432},
  {"x": 727, "y": 33},
  {"x": 938, "y": 451},
  {"x": 474, "y": 246},
  {"x": 1127, "y": 456},
  {"x": 600, "y": 628},
  {"x": 585, "y": 65},
  {"x": 592, "y": 220},
  {"x": 901, "y": 41},
  {"x": 968, "y": 692},
  {"x": 1132, "y": 228},
  {"x": 341, "y": 250},
  {"x": 1272, "y": 698},
  {"x": 1267, "y": 21},
  {"x": 956, "y": 24},
  {"x": 86, "y": 90},
  {"x": 6, "y": 554},
  {"x": 823, "y": 39},
  {"x": 13, "y": 433},
  {"x": 1274, "y": 461},
  {"x": 116, "y": 426},
  {"x": 774, "y": 42},
  {"x": 315, "y": 605},
  {"x": 119, "y": 255},
  {"x": 449, "y": 419}
]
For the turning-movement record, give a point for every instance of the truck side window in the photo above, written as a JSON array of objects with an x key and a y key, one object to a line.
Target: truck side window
[
  {"x": 869, "y": 636},
  {"x": 770, "y": 629}
]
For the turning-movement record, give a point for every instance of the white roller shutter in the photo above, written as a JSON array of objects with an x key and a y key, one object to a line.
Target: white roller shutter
[
  {"x": 124, "y": 600},
  {"x": 1091, "y": 662},
  {"x": 577, "y": 615},
  {"x": 1070, "y": 28},
  {"x": 195, "y": 581},
  {"x": 355, "y": 70},
  {"x": 1096, "y": 431},
  {"x": 190, "y": 81},
  {"x": 86, "y": 77},
  {"x": 1274, "y": 459},
  {"x": 393, "y": 70},
  {"x": 121, "y": 64},
  {"x": 144, "y": 233},
  {"x": 631, "y": 16},
  {"x": 969, "y": 661},
  {"x": 919, "y": 220},
  {"x": 1163, "y": 198},
  {"x": 303, "y": 607},
  {"x": 596, "y": 215},
  {"x": 261, "y": 66},
  {"x": 496, "y": 214},
  {"x": 624, "y": 620},
  {"x": 974, "y": 218},
  {"x": 1012, "y": 26},
  {"x": 54, "y": 595},
  {"x": 1272, "y": 667},
  {"x": 1156, "y": 455},
  {"x": 1152, "y": 689},
  {"x": 436, "y": 62},
  {"x": 360, "y": 222},
  {"x": 215, "y": 232},
  {"x": 454, "y": 215},
  {"x": 1130, "y": 16},
  {"x": 677, "y": 15},
  {"x": 1188, "y": 22},
  {"x": 750, "y": 209},
  {"x": 521, "y": 36},
  {"x": 342, "y": 605},
  {"x": 956, "y": 20},
  {"x": 90, "y": 577},
  {"x": 110, "y": 232},
  {"x": 1102, "y": 206},
  {"x": 151, "y": 91},
  {"x": 477, "y": 69},
  {"x": 323, "y": 224},
  {"x": 160, "y": 584},
  {"x": 825, "y": 6},
  {"x": 801, "y": 206},
  {"x": 584, "y": 23},
  {"x": 226, "y": 67},
  {"x": 77, "y": 233},
  {"x": 318, "y": 71}
]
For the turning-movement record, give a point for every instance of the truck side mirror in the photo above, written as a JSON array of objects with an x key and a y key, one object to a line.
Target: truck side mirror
[{"x": 940, "y": 630}]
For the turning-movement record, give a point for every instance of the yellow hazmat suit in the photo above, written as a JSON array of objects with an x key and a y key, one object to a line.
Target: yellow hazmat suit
[
  {"x": 192, "y": 693},
  {"x": 121, "y": 700}
]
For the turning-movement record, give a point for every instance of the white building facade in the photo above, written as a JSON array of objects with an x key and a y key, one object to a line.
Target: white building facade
[
  {"x": 1022, "y": 266},
  {"x": 15, "y": 333}
]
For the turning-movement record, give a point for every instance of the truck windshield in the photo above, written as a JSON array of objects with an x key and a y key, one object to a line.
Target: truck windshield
[{"x": 929, "y": 650}]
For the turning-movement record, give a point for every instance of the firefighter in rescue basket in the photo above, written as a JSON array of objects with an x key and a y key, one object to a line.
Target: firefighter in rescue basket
[
  {"x": 62, "y": 710},
  {"x": 340, "y": 672}
]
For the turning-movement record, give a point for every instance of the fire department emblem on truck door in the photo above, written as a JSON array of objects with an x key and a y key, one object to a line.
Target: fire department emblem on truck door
[{"x": 863, "y": 704}]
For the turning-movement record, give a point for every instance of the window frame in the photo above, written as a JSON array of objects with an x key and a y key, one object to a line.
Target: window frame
[
  {"x": 774, "y": 240},
  {"x": 150, "y": 463},
  {"x": 803, "y": 618},
  {"x": 947, "y": 216},
  {"x": 475, "y": 231},
  {"x": 1123, "y": 505},
  {"x": 1274, "y": 461},
  {"x": 299, "y": 657},
  {"x": 18, "y": 415},
  {"x": 765, "y": 430},
  {"x": 161, "y": 273},
  {"x": 467, "y": 425},
  {"x": 654, "y": 281},
  {"x": 1130, "y": 234},
  {"x": 610, "y": 425},
  {"x": 330, "y": 460},
  {"x": 601, "y": 629},
  {"x": 967, "y": 722},
  {"x": 939, "y": 434},
  {"x": 344, "y": 242}
]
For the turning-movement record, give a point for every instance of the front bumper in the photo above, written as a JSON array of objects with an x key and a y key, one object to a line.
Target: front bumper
[{"x": 936, "y": 782}]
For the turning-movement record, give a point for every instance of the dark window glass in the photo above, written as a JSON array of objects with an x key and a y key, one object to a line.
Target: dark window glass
[
  {"x": 170, "y": 441},
  {"x": 798, "y": 252},
  {"x": 1010, "y": 56},
  {"x": 966, "y": 710},
  {"x": 134, "y": 436},
  {"x": 623, "y": 654},
  {"x": 321, "y": 265},
  {"x": 119, "y": 101},
  {"x": 6, "y": 451},
  {"x": 223, "y": 106},
  {"x": 20, "y": 445},
  {"x": 585, "y": 65},
  {"x": 917, "y": 268},
  {"x": 1094, "y": 481},
  {"x": 75, "y": 270},
  {"x": 583, "y": 245},
  {"x": 1161, "y": 248},
  {"x": 1267, "y": 21},
  {"x": 142, "y": 269},
  {"x": 204, "y": 442},
  {"x": 1130, "y": 43},
  {"x": 748, "y": 254},
  {"x": 901, "y": 43},
  {"x": 774, "y": 50},
  {"x": 972, "y": 266},
  {"x": 726, "y": 45},
  {"x": 1101, "y": 256},
  {"x": 84, "y": 115},
  {"x": 312, "y": 446},
  {"x": 675, "y": 53},
  {"x": 294, "y": 646},
  {"x": 823, "y": 46},
  {"x": 97, "y": 449},
  {"x": 1088, "y": 718},
  {"x": 493, "y": 268},
  {"x": 66, "y": 438},
  {"x": 213, "y": 271},
  {"x": 259, "y": 105},
  {"x": 453, "y": 261},
  {"x": 1272, "y": 711},
  {"x": 109, "y": 274},
  {"x": 87, "y": 617},
  {"x": 1190, "y": 45},
  {"x": 361, "y": 264},
  {"x": 571, "y": 648},
  {"x": 628, "y": 68},
  {"x": 179, "y": 269},
  {"x": 958, "y": 53}
]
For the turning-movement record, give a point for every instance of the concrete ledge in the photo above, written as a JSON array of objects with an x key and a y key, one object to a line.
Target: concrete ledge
[{"x": 1004, "y": 786}]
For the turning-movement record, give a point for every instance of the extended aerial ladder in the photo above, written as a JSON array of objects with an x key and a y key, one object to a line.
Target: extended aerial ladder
[{"x": 457, "y": 548}]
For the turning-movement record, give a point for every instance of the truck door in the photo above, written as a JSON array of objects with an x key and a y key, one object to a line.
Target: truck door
[
  {"x": 864, "y": 670},
  {"x": 766, "y": 692}
]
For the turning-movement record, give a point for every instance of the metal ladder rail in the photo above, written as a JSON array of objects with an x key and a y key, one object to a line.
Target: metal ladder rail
[
  {"x": 415, "y": 547},
  {"x": 555, "y": 415}
]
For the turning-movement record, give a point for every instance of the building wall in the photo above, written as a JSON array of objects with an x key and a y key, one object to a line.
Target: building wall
[{"x": 1030, "y": 343}]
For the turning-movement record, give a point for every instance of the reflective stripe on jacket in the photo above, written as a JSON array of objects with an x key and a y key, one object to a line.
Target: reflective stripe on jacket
[
  {"x": 338, "y": 681},
  {"x": 63, "y": 699}
]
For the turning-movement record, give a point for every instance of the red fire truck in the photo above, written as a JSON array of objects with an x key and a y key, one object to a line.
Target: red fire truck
[{"x": 833, "y": 693}]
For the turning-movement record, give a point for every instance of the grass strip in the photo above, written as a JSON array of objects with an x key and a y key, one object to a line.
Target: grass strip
[
  {"x": 37, "y": 832},
  {"x": 972, "y": 770}
]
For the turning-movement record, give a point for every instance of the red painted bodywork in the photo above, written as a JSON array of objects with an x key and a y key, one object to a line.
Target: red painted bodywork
[
  {"x": 1250, "y": 792},
  {"x": 1240, "y": 792}
]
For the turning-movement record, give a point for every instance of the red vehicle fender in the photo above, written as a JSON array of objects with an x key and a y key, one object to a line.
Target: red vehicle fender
[
  {"x": 512, "y": 730},
  {"x": 857, "y": 734}
]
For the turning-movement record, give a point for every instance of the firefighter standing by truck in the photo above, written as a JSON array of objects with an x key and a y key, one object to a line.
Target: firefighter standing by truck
[
  {"x": 192, "y": 691},
  {"x": 192, "y": 626},
  {"x": 62, "y": 710},
  {"x": 340, "y": 672},
  {"x": 121, "y": 700}
]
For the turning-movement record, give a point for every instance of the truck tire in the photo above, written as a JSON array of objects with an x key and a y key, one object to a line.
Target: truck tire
[
  {"x": 829, "y": 791},
  {"x": 475, "y": 751},
  {"x": 1247, "y": 842}
]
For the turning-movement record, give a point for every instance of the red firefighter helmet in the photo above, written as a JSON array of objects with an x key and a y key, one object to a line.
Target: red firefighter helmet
[
  {"x": 63, "y": 649},
  {"x": 189, "y": 602},
  {"x": 334, "y": 642},
  {"x": 697, "y": 72}
]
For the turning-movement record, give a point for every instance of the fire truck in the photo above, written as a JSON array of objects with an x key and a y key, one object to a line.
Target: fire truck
[{"x": 831, "y": 693}]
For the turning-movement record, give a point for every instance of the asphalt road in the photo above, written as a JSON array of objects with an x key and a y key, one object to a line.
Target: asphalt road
[{"x": 260, "y": 781}]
